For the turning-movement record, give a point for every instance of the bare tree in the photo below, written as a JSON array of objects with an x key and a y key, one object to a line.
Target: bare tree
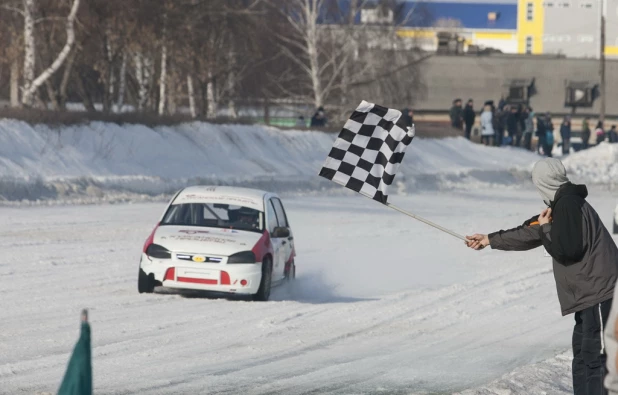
[
  {"x": 163, "y": 75},
  {"x": 31, "y": 84}
]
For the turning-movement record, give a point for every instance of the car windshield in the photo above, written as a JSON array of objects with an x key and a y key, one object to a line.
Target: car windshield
[{"x": 215, "y": 215}]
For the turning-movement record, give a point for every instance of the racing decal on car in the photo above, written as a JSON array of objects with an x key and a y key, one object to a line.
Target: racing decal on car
[
  {"x": 256, "y": 204},
  {"x": 263, "y": 247},
  {"x": 192, "y": 232},
  {"x": 221, "y": 198},
  {"x": 202, "y": 238}
]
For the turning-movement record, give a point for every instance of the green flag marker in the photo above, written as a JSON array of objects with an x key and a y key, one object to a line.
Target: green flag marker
[{"x": 78, "y": 377}]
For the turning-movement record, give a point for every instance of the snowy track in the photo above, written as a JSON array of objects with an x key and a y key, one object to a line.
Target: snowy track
[{"x": 382, "y": 304}]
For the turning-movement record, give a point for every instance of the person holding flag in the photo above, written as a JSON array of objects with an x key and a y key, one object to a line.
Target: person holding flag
[{"x": 585, "y": 264}]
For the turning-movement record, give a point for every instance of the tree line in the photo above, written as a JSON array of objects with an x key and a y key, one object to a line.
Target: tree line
[{"x": 199, "y": 56}]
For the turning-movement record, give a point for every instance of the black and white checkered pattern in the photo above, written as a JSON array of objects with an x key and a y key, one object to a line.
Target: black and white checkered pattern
[{"x": 368, "y": 151}]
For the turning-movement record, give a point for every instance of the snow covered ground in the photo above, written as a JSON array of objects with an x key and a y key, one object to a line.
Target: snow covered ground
[{"x": 382, "y": 304}]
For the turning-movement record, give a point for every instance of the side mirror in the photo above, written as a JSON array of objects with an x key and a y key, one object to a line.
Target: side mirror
[{"x": 280, "y": 232}]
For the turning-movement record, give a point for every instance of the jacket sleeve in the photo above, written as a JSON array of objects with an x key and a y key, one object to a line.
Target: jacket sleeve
[
  {"x": 563, "y": 238},
  {"x": 522, "y": 238}
]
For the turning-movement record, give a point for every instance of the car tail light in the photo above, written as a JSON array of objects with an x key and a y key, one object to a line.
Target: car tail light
[
  {"x": 158, "y": 251},
  {"x": 243, "y": 282},
  {"x": 170, "y": 274},
  {"x": 242, "y": 257}
]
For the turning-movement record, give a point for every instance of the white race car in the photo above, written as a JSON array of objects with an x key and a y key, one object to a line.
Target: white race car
[{"x": 220, "y": 239}]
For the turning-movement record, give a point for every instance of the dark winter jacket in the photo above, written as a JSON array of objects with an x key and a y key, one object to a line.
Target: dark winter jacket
[
  {"x": 565, "y": 131},
  {"x": 541, "y": 128},
  {"x": 585, "y": 257},
  {"x": 469, "y": 115},
  {"x": 512, "y": 121},
  {"x": 455, "y": 114}
]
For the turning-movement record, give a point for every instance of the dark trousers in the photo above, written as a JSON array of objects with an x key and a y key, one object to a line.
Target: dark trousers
[
  {"x": 528, "y": 141},
  {"x": 499, "y": 135},
  {"x": 588, "y": 351},
  {"x": 566, "y": 144},
  {"x": 541, "y": 144},
  {"x": 487, "y": 140},
  {"x": 468, "y": 130}
]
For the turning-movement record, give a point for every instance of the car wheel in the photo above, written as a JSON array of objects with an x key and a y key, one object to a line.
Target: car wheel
[
  {"x": 263, "y": 293},
  {"x": 145, "y": 284},
  {"x": 290, "y": 274}
]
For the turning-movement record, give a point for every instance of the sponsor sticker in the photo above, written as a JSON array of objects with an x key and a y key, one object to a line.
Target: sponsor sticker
[
  {"x": 205, "y": 239},
  {"x": 193, "y": 232}
]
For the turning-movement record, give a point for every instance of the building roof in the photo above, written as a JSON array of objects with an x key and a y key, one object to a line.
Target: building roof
[{"x": 479, "y": 14}]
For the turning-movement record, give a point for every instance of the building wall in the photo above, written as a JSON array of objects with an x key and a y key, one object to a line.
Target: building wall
[
  {"x": 530, "y": 27},
  {"x": 611, "y": 29},
  {"x": 505, "y": 42},
  {"x": 483, "y": 77},
  {"x": 566, "y": 27},
  {"x": 572, "y": 27}
]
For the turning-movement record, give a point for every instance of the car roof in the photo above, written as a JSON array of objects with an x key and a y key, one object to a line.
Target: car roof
[{"x": 251, "y": 197}]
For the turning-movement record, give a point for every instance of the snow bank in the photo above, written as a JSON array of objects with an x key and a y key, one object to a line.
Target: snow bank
[
  {"x": 597, "y": 165},
  {"x": 96, "y": 160}
]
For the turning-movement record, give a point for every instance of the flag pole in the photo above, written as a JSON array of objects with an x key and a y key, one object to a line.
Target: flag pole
[{"x": 416, "y": 217}]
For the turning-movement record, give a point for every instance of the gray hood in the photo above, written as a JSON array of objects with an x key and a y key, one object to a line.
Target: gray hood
[{"x": 548, "y": 175}]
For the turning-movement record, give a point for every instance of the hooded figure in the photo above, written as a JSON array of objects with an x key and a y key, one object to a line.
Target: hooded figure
[
  {"x": 548, "y": 176},
  {"x": 585, "y": 266}
]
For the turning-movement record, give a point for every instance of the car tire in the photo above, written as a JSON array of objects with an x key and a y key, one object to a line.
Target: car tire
[
  {"x": 290, "y": 275},
  {"x": 145, "y": 284},
  {"x": 263, "y": 293}
]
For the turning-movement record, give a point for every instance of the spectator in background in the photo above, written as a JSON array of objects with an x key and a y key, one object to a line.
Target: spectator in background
[
  {"x": 319, "y": 118},
  {"x": 487, "y": 128},
  {"x": 523, "y": 115},
  {"x": 529, "y": 128},
  {"x": 300, "y": 122},
  {"x": 499, "y": 122},
  {"x": 512, "y": 124},
  {"x": 456, "y": 114},
  {"x": 541, "y": 134},
  {"x": 585, "y": 133},
  {"x": 501, "y": 104},
  {"x": 469, "y": 116},
  {"x": 549, "y": 136},
  {"x": 408, "y": 117},
  {"x": 600, "y": 133},
  {"x": 565, "y": 134},
  {"x": 612, "y": 135}
]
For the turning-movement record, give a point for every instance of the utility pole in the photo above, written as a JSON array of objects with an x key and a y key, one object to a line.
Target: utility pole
[{"x": 602, "y": 61}]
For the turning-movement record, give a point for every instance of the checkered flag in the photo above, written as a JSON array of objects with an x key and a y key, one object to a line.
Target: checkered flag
[{"x": 368, "y": 151}]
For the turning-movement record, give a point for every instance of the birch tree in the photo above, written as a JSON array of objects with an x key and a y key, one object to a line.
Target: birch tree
[
  {"x": 163, "y": 75},
  {"x": 31, "y": 84}
]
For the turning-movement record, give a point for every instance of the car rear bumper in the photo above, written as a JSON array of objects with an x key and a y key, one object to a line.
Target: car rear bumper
[{"x": 234, "y": 278}]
